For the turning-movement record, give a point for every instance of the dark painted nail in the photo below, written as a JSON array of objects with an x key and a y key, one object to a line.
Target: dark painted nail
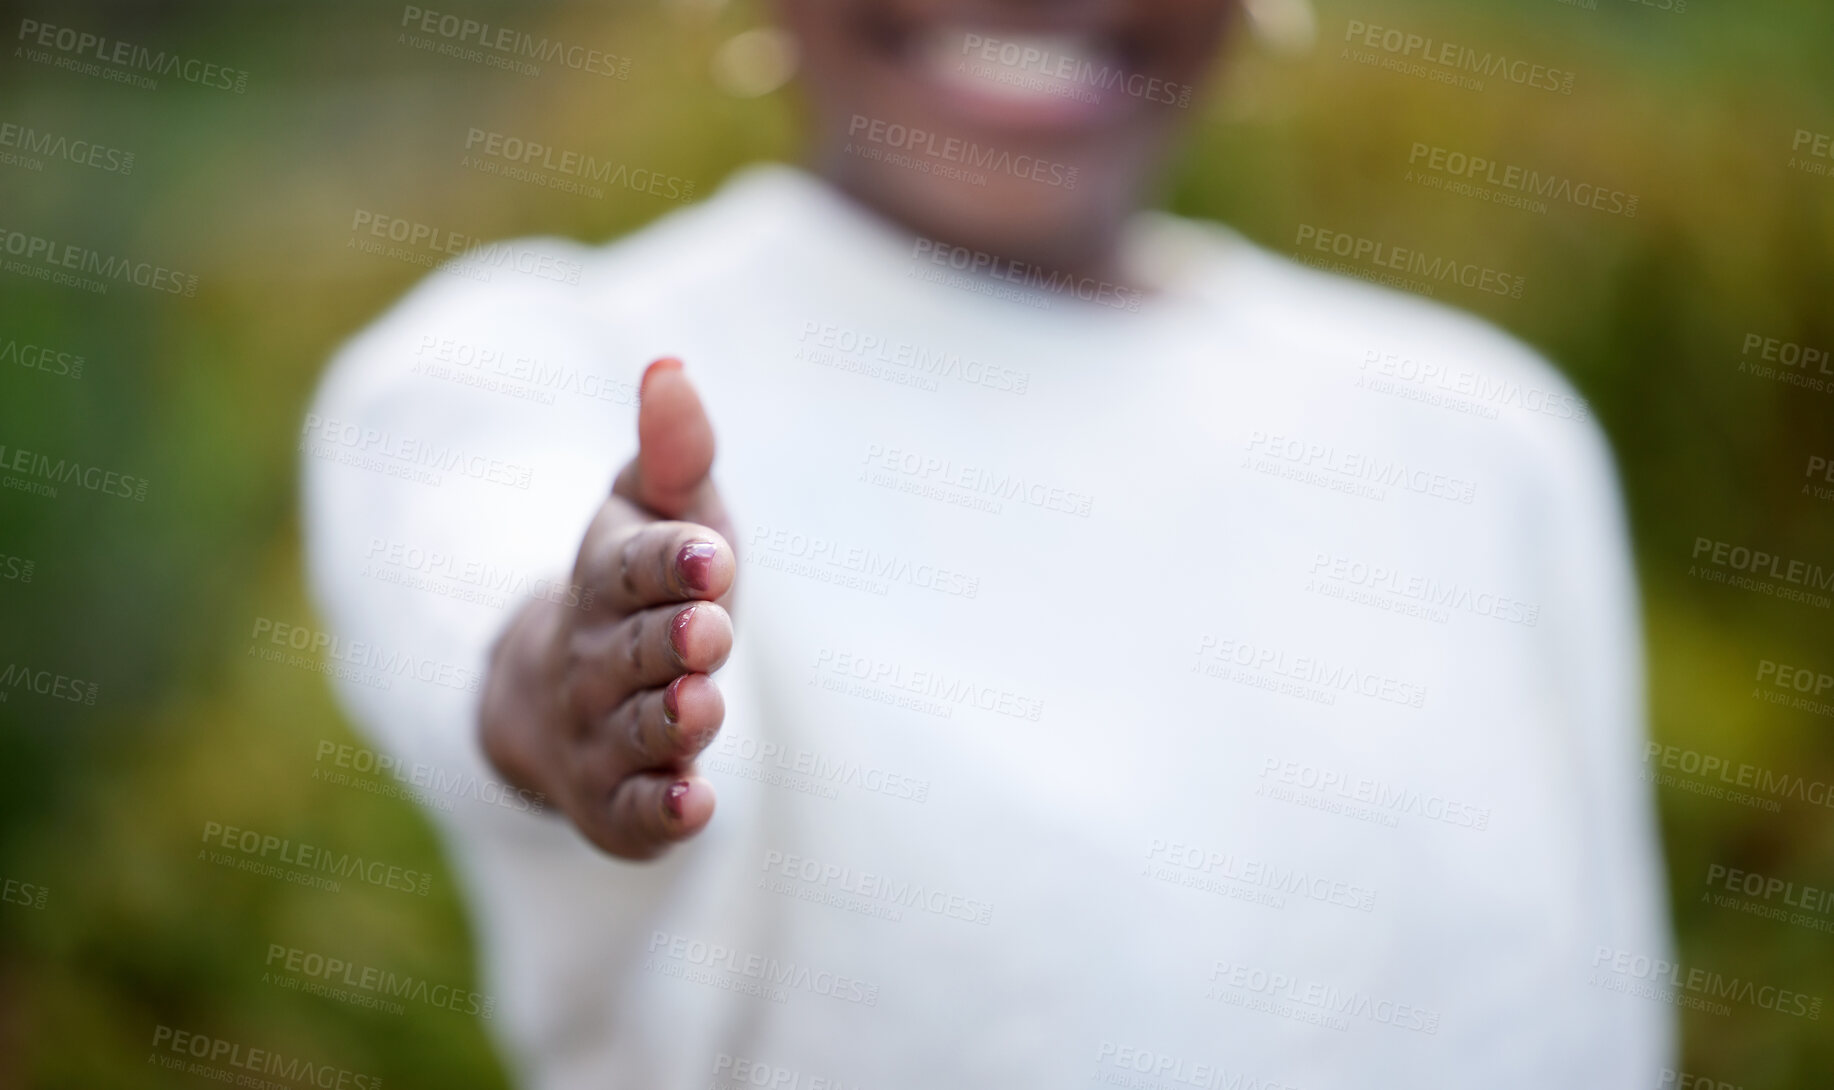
[
  {"x": 673, "y": 796},
  {"x": 695, "y": 563},
  {"x": 678, "y": 633},
  {"x": 671, "y": 703}
]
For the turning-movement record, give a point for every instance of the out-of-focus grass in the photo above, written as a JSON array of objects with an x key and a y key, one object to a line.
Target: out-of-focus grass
[{"x": 105, "y": 805}]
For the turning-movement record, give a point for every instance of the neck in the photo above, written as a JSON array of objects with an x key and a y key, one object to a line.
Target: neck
[{"x": 1089, "y": 247}]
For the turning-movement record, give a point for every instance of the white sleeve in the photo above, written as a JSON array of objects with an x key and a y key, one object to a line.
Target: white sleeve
[
  {"x": 453, "y": 455},
  {"x": 1593, "y": 629},
  {"x": 457, "y": 450}
]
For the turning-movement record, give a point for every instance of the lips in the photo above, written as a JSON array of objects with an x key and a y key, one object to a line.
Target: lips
[{"x": 1009, "y": 78}]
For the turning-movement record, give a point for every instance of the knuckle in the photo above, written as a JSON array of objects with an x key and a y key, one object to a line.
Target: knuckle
[
  {"x": 627, "y": 576},
  {"x": 578, "y": 684},
  {"x": 622, "y": 811},
  {"x": 669, "y": 538},
  {"x": 645, "y": 811},
  {"x": 623, "y": 730},
  {"x": 638, "y": 737},
  {"x": 631, "y": 641},
  {"x": 665, "y": 741}
]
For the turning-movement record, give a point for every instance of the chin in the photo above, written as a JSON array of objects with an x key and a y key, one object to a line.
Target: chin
[
  {"x": 1043, "y": 222},
  {"x": 1025, "y": 128}
]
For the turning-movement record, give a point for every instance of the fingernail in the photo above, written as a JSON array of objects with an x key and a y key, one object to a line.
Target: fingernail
[
  {"x": 695, "y": 563},
  {"x": 671, "y": 706},
  {"x": 678, "y": 633},
  {"x": 673, "y": 796},
  {"x": 666, "y": 363}
]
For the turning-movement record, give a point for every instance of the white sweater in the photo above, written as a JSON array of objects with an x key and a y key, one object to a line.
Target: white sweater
[{"x": 1238, "y": 686}]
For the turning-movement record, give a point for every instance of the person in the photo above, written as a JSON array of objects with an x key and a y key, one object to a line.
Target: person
[{"x": 1031, "y": 641}]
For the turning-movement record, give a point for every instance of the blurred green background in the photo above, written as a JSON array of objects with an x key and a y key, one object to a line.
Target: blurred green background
[{"x": 1694, "y": 111}]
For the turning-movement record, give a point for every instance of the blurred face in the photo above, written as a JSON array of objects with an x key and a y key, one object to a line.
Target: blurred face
[{"x": 1024, "y": 128}]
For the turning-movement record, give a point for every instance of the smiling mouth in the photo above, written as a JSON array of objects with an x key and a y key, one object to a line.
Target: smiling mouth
[{"x": 1012, "y": 78}]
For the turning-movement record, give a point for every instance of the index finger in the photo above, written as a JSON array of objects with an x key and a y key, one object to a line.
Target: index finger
[{"x": 629, "y": 563}]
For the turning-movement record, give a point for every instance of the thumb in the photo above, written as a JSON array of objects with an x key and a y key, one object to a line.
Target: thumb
[{"x": 674, "y": 444}]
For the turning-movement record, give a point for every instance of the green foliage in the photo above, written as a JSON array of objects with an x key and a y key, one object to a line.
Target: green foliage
[{"x": 1693, "y": 112}]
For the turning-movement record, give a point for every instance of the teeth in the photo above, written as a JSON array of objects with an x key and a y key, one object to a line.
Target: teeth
[{"x": 1018, "y": 67}]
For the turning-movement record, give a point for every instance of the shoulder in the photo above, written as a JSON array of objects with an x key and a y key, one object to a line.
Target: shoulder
[
  {"x": 551, "y": 293},
  {"x": 1416, "y": 368},
  {"x": 536, "y": 288}
]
